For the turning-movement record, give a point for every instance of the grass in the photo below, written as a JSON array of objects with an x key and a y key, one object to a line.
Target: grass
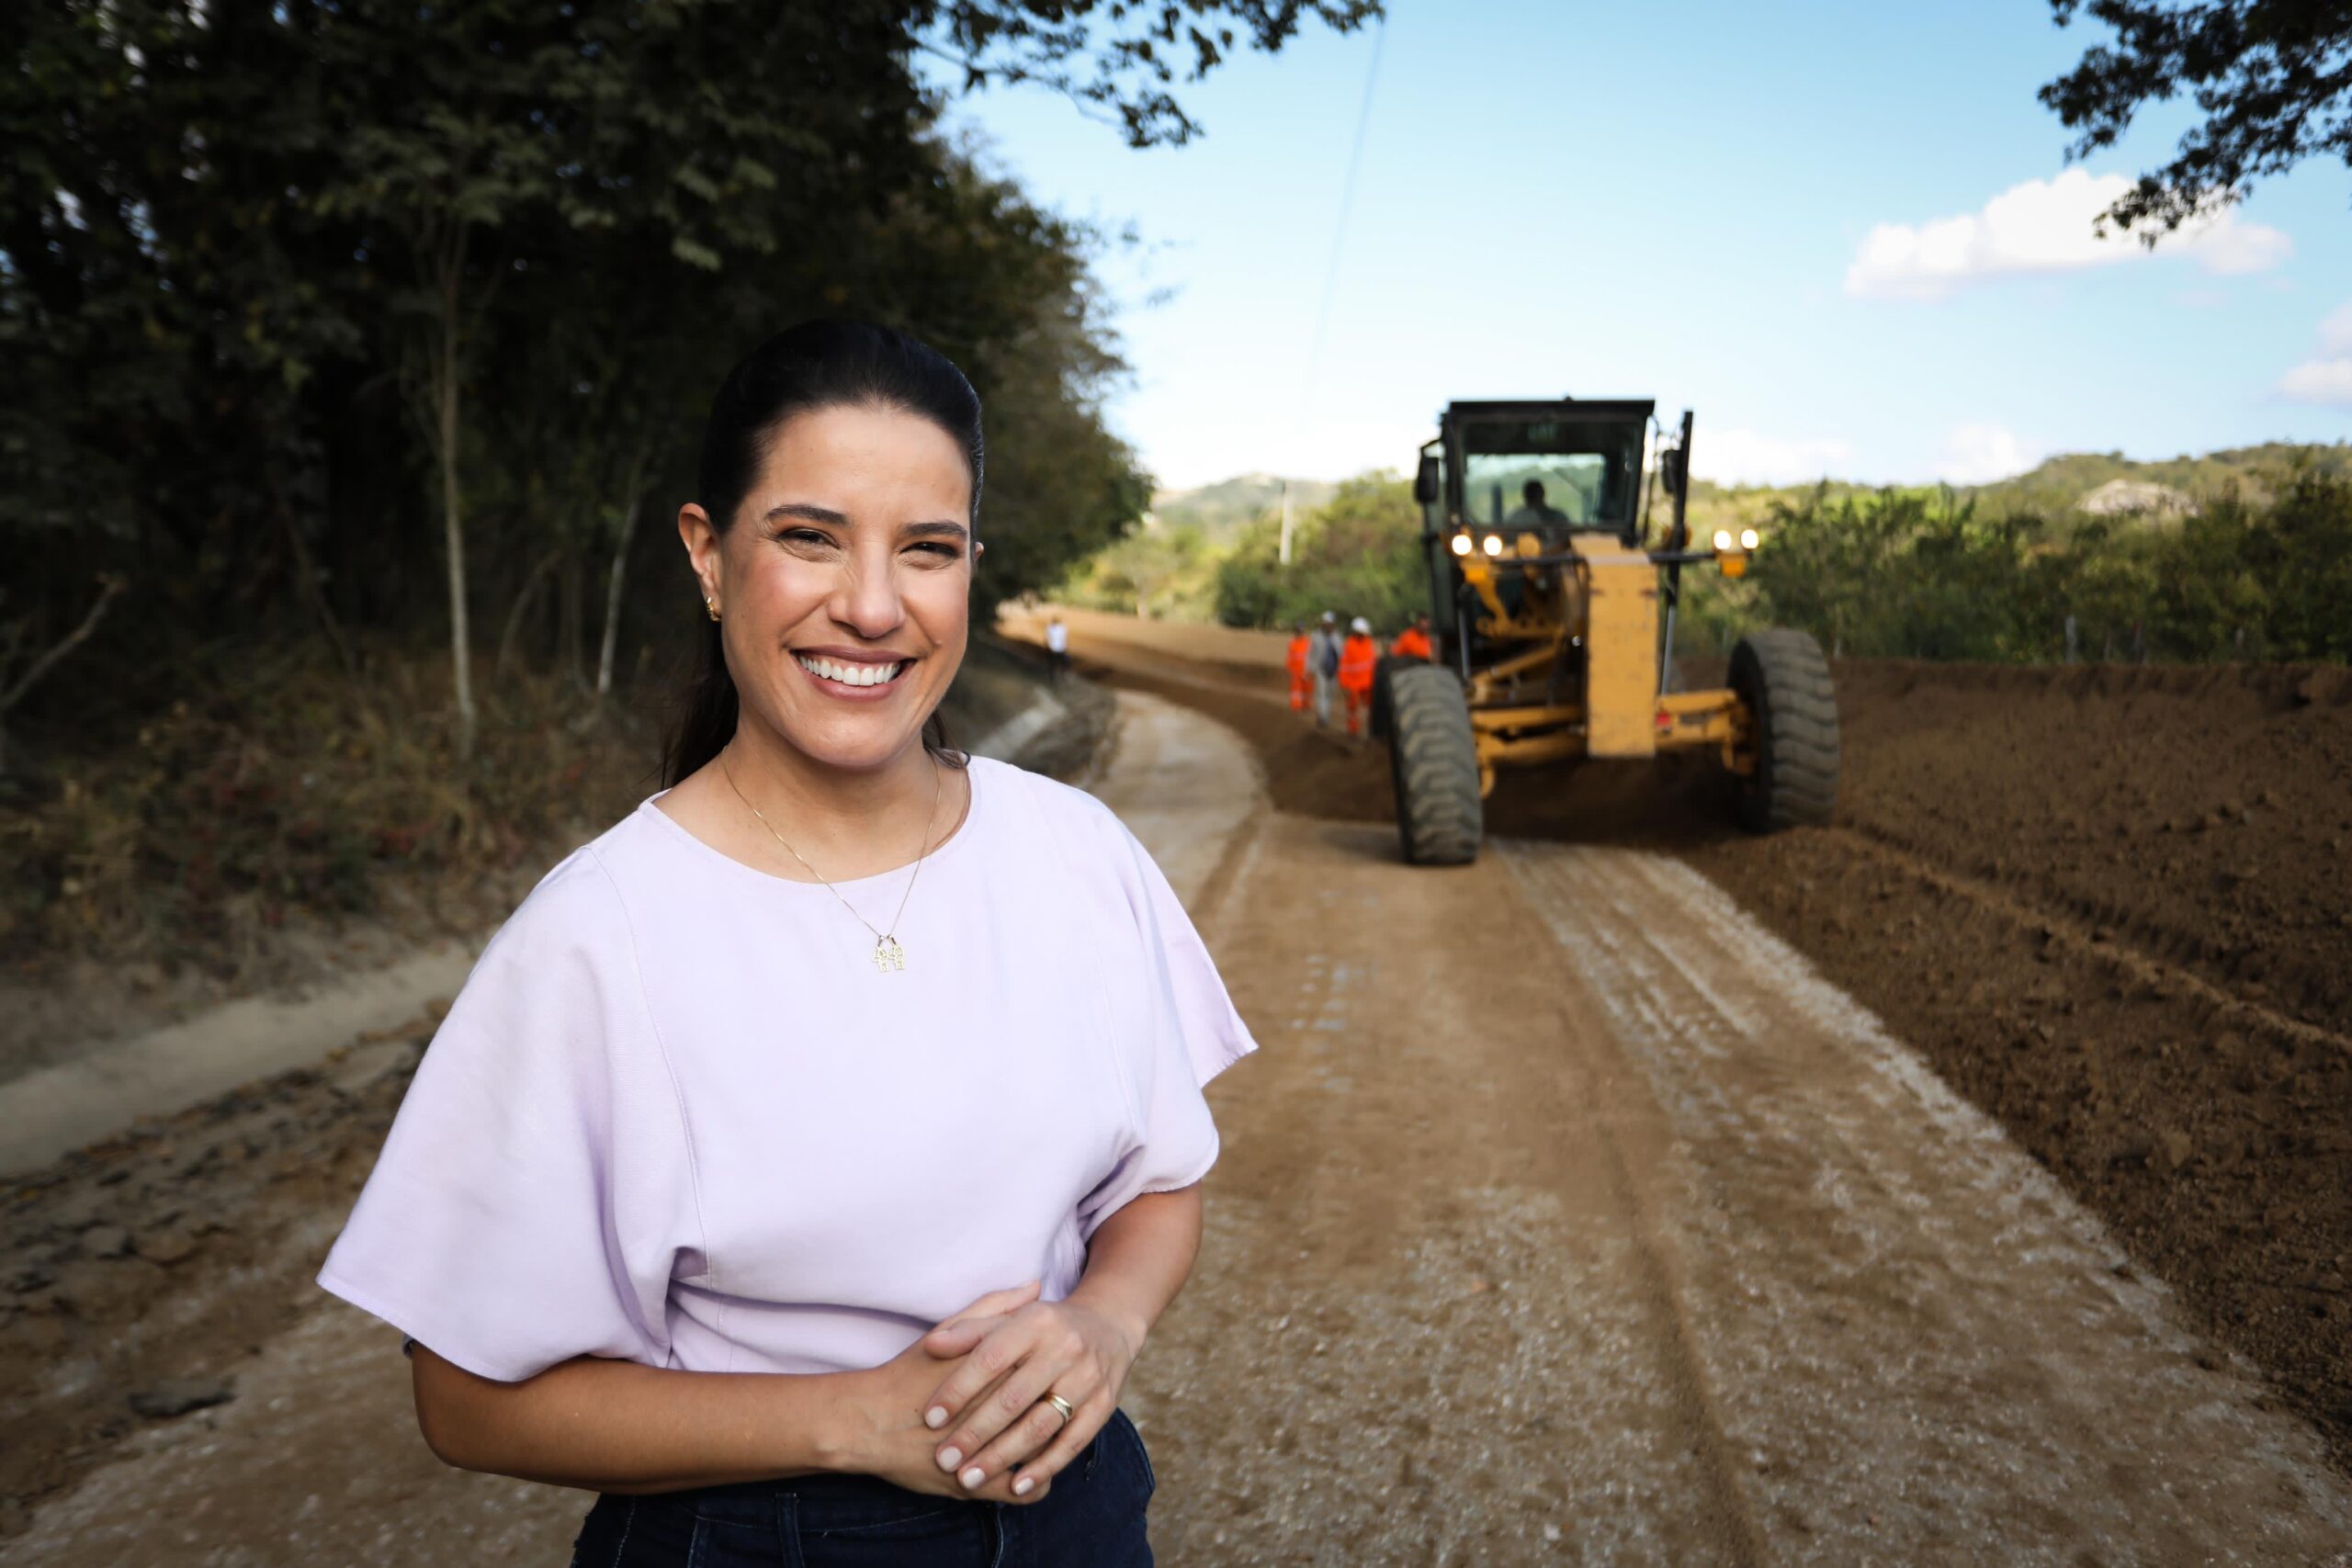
[{"x": 288, "y": 793}]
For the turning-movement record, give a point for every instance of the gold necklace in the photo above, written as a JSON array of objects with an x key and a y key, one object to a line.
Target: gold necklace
[{"x": 889, "y": 956}]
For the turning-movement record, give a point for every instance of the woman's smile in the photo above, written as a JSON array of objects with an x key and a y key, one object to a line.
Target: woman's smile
[{"x": 850, "y": 676}]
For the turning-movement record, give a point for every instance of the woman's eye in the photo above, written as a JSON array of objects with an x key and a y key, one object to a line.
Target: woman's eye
[{"x": 944, "y": 552}]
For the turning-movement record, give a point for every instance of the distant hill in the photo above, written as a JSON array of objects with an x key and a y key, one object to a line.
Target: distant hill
[
  {"x": 2058, "y": 485},
  {"x": 2061, "y": 483},
  {"x": 1220, "y": 510}
]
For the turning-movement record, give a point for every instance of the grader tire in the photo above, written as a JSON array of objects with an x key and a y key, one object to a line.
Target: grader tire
[
  {"x": 1384, "y": 705},
  {"x": 1782, "y": 678},
  {"x": 1433, "y": 762}
]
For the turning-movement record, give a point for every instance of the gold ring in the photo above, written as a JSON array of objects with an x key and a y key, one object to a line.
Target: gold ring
[{"x": 1068, "y": 1410}]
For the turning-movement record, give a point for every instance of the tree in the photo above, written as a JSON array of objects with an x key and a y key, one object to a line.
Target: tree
[
  {"x": 2273, "y": 77},
  {"x": 1127, "y": 68},
  {"x": 163, "y": 305},
  {"x": 476, "y": 121}
]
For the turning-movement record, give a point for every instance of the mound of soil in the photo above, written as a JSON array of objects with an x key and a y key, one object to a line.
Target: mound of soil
[
  {"x": 2110, "y": 905},
  {"x": 2204, "y": 815},
  {"x": 1321, "y": 772}
]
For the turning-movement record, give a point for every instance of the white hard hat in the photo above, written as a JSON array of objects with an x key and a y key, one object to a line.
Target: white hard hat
[
  {"x": 1360, "y": 625},
  {"x": 1330, "y": 616}
]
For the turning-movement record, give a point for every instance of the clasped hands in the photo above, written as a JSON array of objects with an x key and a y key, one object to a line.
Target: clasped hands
[{"x": 985, "y": 1431}]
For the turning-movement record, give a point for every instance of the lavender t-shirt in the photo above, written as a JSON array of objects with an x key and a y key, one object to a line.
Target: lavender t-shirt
[{"x": 677, "y": 1116}]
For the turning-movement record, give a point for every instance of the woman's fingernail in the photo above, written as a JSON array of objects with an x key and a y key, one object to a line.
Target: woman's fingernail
[
  {"x": 950, "y": 1458},
  {"x": 935, "y": 1418},
  {"x": 972, "y": 1478},
  {"x": 1026, "y": 1484}
]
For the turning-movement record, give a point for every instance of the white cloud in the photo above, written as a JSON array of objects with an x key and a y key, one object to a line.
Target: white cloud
[
  {"x": 2319, "y": 381},
  {"x": 2226, "y": 247},
  {"x": 1743, "y": 457},
  {"x": 2039, "y": 228},
  {"x": 2326, "y": 377},
  {"x": 1979, "y": 454}
]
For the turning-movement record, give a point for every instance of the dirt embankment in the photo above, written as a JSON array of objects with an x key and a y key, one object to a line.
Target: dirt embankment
[
  {"x": 2110, "y": 904},
  {"x": 135, "y": 1274}
]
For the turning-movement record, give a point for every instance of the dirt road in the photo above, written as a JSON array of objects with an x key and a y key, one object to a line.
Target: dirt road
[
  {"x": 2107, "y": 904},
  {"x": 1567, "y": 1214}
]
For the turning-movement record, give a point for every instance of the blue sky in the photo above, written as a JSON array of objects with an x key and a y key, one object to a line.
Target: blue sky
[{"x": 1790, "y": 217}]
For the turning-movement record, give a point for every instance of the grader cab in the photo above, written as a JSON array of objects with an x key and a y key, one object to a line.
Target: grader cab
[{"x": 1554, "y": 614}]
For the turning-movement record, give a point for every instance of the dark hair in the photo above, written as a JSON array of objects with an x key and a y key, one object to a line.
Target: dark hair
[{"x": 817, "y": 364}]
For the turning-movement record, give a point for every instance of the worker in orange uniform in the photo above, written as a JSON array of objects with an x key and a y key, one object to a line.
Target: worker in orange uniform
[
  {"x": 1302, "y": 684},
  {"x": 1358, "y": 658},
  {"x": 1413, "y": 642}
]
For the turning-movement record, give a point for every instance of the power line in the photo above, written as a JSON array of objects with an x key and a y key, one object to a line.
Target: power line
[{"x": 1331, "y": 272}]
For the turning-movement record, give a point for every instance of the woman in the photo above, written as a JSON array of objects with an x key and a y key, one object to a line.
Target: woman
[{"x": 807, "y": 1159}]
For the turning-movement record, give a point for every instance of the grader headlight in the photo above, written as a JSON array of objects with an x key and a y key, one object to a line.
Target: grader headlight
[
  {"x": 1748, "y": 538},
  {"x": 1461, "y": 543},
  {"x": 1723, "y": 538},
  {"x": 1492, "y": 544}
]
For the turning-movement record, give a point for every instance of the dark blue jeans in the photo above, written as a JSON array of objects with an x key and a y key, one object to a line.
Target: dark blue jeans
[{"x": 1093, "y": 1518}]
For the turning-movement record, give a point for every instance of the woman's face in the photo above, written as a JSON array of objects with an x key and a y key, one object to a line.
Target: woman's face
[{"x": 843, "y": 585}]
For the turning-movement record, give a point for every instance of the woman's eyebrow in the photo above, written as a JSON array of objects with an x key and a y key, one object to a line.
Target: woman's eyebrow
[{"x": 809, "y": 514}]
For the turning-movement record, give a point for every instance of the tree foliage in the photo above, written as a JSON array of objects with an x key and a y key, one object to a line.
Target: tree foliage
[
  {"x": 1120, "y": 56},
  {"x": 1908, "y": 574},
  {"x": 2272, "y": 78},
  {"x": 341, "y": 319}
]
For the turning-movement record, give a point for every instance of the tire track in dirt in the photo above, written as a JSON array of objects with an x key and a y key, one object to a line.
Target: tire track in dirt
[
  {"x": 1430, "y": 1296},
  {"x": 1923, "y": 1342},
  {"x": 1633, "y": 1158},
  {"x": 2081, "y": 939}
]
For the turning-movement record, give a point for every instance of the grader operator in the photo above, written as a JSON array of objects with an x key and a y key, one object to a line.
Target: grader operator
[{"x": 1553, "y": 617}]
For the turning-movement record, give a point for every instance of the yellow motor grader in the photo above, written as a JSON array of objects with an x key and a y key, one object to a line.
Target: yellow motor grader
[{"x": 1554, "y": 622}]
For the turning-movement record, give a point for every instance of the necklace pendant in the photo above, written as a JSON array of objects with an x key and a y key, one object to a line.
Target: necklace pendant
[{"x": 889, "y": 956}]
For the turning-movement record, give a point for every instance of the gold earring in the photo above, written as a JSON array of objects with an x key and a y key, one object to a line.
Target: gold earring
[{"x": 711, "y": 605}]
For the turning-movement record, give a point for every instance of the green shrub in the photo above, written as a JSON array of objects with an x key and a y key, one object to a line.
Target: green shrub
[
  {"x": 1358, "y": 554},
  {"x": 1903, "y": 574}
]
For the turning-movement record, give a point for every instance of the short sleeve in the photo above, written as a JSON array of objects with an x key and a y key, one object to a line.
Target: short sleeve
[
  {"x": 533, "y": 1197},
  {"x": 1193, "y": 1034}
]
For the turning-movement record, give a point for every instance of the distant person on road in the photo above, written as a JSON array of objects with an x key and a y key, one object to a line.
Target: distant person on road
[
  {"x": 806, "y": 1161},
  {"x": 1533, "y": 511},
  {"x": 1413, "y": 642},
  {"x": 1359, "y": 657},
  {"x": 1301, "y": 684},
  {"x": 1057, "y": 646},
  {"x": 1323, "y": 660}
]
